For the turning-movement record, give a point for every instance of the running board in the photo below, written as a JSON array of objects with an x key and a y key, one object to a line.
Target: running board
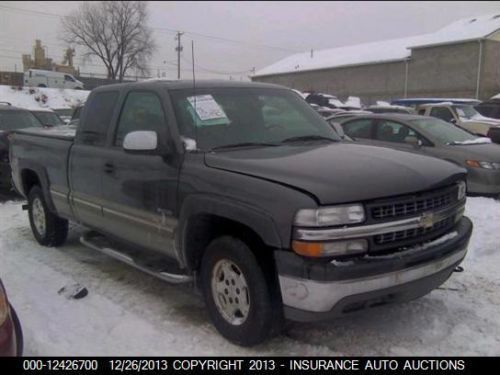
[{"x": 98, "y": 242}]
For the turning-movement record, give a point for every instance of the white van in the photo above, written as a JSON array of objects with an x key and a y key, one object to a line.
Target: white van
[{"x": 47, "y": 78}]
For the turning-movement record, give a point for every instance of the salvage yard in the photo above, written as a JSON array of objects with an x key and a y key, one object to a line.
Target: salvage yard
[{"x": 127, "y": 312}]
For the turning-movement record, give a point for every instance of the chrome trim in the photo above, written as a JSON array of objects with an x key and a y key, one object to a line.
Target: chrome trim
[
  {"x": 86, "y": 203},
  {"x": 316, "y": 296},
  {"x": 58, "y": 194},
  {"x": 156, "y": 225},
  {"x": 424, "y": 220}
]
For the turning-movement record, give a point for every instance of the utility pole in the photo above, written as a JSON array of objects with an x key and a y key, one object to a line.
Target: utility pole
[{"x": 178, "y": 49}]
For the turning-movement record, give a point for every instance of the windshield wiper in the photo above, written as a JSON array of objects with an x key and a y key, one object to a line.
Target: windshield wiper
[
  {"x": 244, "y": 144},
  {"x": 308, "y": 138}
]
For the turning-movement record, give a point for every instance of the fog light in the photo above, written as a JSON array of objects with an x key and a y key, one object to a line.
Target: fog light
[{"x": 335, "y": 248}]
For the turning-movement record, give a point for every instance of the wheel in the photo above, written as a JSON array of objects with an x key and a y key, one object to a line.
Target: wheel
[
  {"x": 48, "y": 228},
  {"x": 244, "y": 305},
  {"x": 19, "y": 333}
]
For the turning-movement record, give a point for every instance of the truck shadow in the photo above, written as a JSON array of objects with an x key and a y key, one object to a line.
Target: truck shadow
[{"x": 9, "y": 196}]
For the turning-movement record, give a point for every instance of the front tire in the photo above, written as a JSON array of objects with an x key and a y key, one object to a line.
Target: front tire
[
  {"x": 48, "y": 229},
  {"x": 242, "y": 300}
]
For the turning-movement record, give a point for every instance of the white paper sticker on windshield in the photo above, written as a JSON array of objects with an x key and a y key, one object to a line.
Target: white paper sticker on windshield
[{"x": 206, "y": 107}]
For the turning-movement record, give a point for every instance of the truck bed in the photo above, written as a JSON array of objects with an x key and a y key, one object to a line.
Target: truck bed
[{"x": 46, "y": 152}]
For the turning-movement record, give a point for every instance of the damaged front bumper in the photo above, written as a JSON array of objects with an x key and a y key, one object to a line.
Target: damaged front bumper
[{"x": 313, "y": 290}]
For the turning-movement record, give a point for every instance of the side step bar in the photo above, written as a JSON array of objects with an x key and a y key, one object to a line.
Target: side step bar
[{"x": 96, "y": 242}]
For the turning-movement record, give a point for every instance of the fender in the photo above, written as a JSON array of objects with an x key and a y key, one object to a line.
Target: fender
[
  {"x": 42, "y": 177},
  {"x": 258, "y": 220}
]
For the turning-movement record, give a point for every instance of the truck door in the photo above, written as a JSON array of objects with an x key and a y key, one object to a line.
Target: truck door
[
  {"x": 86, "y": 164},
  {"x": 139, "y": 189}
]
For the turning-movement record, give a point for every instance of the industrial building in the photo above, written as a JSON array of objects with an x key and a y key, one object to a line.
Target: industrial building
[{"x": 459, "y": 60}]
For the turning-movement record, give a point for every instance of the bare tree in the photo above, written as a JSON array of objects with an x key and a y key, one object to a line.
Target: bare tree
[{"x": 113, "y": 31}]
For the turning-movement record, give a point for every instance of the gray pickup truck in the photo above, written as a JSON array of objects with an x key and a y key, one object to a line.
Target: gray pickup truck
[{"x": 244, "y": 191}]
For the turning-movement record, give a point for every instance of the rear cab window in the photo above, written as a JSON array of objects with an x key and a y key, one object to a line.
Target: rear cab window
[{"x": 98, "y": 116}]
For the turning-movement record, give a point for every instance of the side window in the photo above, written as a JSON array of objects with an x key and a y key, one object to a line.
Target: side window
[
  {"x": 68, "y": 78},
  {"x": 442, "y": 113},
  {"x": 98, "y": 117},
  {"x": 421, "y": 112},
  {"x": 359, "y": 128},
  {"x": 389, "y": 131},
  {"x": 141, "y": 111}
]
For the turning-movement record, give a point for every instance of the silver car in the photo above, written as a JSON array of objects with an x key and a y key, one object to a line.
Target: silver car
[{"x": 433, "y": 137}]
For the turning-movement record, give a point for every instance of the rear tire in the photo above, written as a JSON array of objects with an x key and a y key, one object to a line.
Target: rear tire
[
  {"x": 48, "y": 229},
  {"x": 242, "y": 300}
]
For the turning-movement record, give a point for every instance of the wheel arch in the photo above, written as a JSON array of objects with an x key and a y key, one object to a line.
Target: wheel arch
[{"x": 204, "y": 218}]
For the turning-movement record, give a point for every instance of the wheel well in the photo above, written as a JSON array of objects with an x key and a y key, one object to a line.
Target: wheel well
[
  {"x": 29, "y": 179},
  {"x": 204, "y": 228}
]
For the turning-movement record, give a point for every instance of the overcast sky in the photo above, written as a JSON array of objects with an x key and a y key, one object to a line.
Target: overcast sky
[{"x": 231, "y": 38}]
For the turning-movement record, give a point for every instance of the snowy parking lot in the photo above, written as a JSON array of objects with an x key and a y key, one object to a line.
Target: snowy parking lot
[{"x": 130, "y": 313}]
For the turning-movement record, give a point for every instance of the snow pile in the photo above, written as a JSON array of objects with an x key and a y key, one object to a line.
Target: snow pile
[
  {"x": 353, "y": 101},
  {"x": 383, "y": 51},
  {"x": 381, "y": 103},
  {"x": 127, "y": 312},
  {"x": 38, "y": 97},
  {"x": 477, "y": 141}
]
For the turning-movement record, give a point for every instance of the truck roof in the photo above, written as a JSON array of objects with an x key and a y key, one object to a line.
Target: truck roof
[{"x": 187, "y": 84}]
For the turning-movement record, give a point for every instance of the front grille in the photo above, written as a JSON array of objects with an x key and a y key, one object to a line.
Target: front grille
[
  {"x": 408, "y": 234},
  {"x": 414, "y": 206}
]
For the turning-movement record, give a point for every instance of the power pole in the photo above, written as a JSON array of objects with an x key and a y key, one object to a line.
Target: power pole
[{"x": 178, "y": 49}]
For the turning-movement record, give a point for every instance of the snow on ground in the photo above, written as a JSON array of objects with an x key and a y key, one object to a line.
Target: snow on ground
[
  {"x": 33, "y": 97},
  {"x": 130, "y": 313}
]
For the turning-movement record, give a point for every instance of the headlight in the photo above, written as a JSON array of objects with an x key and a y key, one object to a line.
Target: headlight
[
  {"x": 330, "y": 216},
  {"x": 462, "y": 190},
  {"x": 482, "y": 164},
  {"x": 4, "y": 306}
]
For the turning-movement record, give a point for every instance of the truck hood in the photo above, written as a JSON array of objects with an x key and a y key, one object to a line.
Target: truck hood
[
  {"x": 339, "y": 172},
  {"x": 481, "y": 120}
]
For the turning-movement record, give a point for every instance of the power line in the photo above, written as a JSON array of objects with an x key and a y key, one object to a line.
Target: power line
[{"x": 164, "y": 29}]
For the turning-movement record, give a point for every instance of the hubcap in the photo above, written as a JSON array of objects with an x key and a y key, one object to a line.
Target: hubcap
[
  {"x": 39, "y": 216},
  {"x": 230, "y": 292}
]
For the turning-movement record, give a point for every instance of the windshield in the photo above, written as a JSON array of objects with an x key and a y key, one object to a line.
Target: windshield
[
  {"x": 11, "y": 120},
  {"x": 466, "y": 111},
  {"x": 222, "y": 117},
  {"x": 442, "y": 131},
  {"x": 48, "y": 118}
]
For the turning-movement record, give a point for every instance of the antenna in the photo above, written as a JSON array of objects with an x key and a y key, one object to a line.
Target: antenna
[{"x": 194, "y": 96}]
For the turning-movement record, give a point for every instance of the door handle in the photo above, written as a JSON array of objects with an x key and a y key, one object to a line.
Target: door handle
[{"x": 109, "y": 168}]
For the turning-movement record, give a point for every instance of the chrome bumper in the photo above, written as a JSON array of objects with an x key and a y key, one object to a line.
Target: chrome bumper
[{"x": 315, "y": 296}]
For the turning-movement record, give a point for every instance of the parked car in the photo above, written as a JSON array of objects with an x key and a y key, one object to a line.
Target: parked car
[
  {"x": 48, "y": 78},
  {"x": 415, "y": 102},
  {"x": 244, "y": 189},
  {"x": 11, "y": 334},
  {"x": 324, "y": 100},
  {"x": 434, "y": 137},
  {"x": 347, "y": 114},
  {"x": 47, "y": 117},
  {"x": 11, "y": 118},
  {"x": 75, "y": 117},
  {"x": 64, "y": 113},
  {"x": 463, "y": 115},
  {"x": 490, "y": 108},
  {"x": 389, "y": 109}
]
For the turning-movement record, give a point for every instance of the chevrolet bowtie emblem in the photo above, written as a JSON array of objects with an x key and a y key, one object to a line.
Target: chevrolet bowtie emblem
[{"x": 427, "y": 220}]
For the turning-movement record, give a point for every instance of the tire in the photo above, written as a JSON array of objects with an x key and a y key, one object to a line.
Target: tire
[
  {"x": 19, "y": 332},
  {"x": 225, "y": 260},
  {"x": 48, "y": 229},
  {"x": 42, "y": 85}
]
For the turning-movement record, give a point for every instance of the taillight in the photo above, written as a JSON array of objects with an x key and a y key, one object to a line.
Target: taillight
[{"x": 4, "y": 305}]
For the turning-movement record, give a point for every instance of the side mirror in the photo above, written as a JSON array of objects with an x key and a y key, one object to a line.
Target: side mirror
[
  {"x": 141, "y": 140},
  {"x": 414, "y": 141},
  {"x": 453, "y": 121}
]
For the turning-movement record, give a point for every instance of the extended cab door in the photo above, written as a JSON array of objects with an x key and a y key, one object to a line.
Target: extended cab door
[
  {"x": 86, "y": 163},
  {"x": 139, "y": 188}
]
